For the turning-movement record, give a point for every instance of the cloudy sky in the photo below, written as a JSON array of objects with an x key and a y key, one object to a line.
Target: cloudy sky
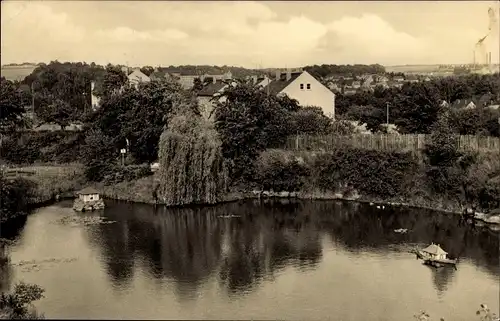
[{"x": 249, "y": 34}]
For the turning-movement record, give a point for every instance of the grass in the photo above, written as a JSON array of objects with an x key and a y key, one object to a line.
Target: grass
[{"x": 51, "y": 180}]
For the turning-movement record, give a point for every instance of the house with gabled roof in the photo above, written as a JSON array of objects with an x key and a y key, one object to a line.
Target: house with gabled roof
[
  {"x": 303, "y": 87},
  {"x": 207, "y": 96},
  {"x": 136, "y": 76}
]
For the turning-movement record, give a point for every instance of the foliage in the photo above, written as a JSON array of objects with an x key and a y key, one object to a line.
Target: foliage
[
  {"x": 12, "y": 102},
  {"x": 56, "y": 111},
  {"x": 416, "y": 106},
  {"x": 114, "y": 79},
  {"x": 369, "y": 171},
  {"x": 368, "y": 115},
  {"x": 310, "y": 120},
  {"x": 192, "y": 168},
  {"x": 249, "y": 121},
  {"x": 53, "y": 147},
  {"x": 66, "y": 85},
  {"x": 280, "y": 173},
  {"x": 99, "y": 155},
  {"x": 477, "y": 121},
  {"x": 126, "y": 173},
  {"x": 351, "y": 70},
  {"x": 14, "y": 196},
  {"x": 139, "y": 115},
  {"x": 19, "y": 303}
]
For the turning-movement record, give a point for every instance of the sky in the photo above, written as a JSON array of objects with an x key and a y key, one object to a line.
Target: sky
[{"x": 249, "y": 34}]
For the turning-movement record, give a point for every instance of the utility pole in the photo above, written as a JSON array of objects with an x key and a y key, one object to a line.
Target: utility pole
[{"x": 387, "y": 112}]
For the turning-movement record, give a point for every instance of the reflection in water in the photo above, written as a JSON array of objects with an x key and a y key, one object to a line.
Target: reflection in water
[
  {"x": 441, "y": 278},
  {"x": 288, "y": 252},
  {"x": 189, "y": 245}
]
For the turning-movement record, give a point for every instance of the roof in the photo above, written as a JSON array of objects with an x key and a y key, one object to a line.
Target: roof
[
  {"x": 88, "y": 191},
  {"x": 434, "y": 249},
  {"x": 276, "y": 86},
  {"x": 211, "y": 88}
]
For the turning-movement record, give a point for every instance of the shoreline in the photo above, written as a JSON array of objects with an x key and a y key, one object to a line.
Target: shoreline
[
  {"x": 435, "y": 205},
  {"x": 124, "y": 192}
]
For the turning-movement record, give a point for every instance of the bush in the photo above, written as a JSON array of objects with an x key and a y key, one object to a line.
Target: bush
[
  {"x": 279, "y": 173},
  {"x": 369, "y": 171},
  {"x": 19, "y": 303},
  {"x": 118, "y": 174},
  {"x": 29, "y": 147},
  {"x": 14, "y": 196}
]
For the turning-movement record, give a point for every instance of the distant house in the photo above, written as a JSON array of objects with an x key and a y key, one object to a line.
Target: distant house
[
  {"x": 356, "y": 84},
  {"x": 464, "y": 104},
  {"x": 186, "y": 78},
  {"x": 304, "y": 88},
  {"x": 398, "y": 78},
  {"x": 259, "y": 81},
  {"x": 137, "y": 76},
  {"x": 207, "y": 97}
]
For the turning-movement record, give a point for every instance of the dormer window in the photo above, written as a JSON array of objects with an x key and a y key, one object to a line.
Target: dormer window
[
  {"x": 301, "y": 86},
  {"x": 309, "y": 86}
]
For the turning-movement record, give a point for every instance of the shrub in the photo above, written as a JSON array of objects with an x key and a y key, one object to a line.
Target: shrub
[
  {"x": 278, "y": 173},
  {"x": 19, "y": 303},
  {"x": 118, "y": 174},
  {"x": 372, "y": 172},
  {"x": 14, "y": 195}
]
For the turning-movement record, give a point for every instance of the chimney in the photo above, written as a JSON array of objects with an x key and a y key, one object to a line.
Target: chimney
[
  {"x": 214, "y": 80},
  {"x": 288, "y": 74}
]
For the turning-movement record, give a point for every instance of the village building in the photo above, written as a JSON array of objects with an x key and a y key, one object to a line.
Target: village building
[
  {"x": 435, "y": 252},
  {"x": 303, "y": 87},
  {"x": 88, "y": 200},
  {"x": 207, "y": 97}
]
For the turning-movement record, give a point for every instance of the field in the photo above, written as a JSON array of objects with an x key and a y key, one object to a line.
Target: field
[{"x": 17, "y": 73}]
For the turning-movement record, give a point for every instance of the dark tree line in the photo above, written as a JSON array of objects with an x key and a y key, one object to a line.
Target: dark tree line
[{"x": 322, "y": 71}]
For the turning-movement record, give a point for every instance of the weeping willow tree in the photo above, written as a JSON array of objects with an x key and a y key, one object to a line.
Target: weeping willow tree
[{"x": 192, "y": 168}]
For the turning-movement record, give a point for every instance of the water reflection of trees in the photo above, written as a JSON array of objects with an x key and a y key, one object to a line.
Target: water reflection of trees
[{"x": 191, "y": 245}]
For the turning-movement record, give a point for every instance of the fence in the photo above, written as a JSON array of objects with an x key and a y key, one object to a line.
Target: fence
[{"x": 409, "y": 142}]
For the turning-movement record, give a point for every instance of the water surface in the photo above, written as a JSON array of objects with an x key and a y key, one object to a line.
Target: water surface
[{"x": 311, "y": 260}]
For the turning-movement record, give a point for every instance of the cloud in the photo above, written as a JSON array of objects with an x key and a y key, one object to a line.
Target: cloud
[
  {"x": 369, "y": 37},
  {"x": 128, "y": 35},
  {"x": 241, "y": 33}
]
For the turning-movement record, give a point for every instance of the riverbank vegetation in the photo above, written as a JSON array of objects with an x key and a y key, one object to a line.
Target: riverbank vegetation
[
  {"x": 200, "y": 162},
  {"x": 18, "y": 305}
]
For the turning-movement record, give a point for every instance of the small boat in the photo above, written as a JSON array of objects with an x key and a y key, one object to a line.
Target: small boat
[{"x": 435, "y": 256}]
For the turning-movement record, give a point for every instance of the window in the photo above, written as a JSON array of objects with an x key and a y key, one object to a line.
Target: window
[
  {"x": 308, "y": 86},
  {"x": 301, "y": 86}
]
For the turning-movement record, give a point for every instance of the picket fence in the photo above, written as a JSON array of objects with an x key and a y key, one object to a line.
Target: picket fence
[{"x": 408, "y": 142}]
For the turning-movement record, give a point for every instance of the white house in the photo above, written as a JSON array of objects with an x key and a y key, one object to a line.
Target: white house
[
  {"x": 304, "y": 88},
  {"x": 137, "y": 76},
  {"x": 88, "y": 194},
  {"x": 435, "y": 252}
]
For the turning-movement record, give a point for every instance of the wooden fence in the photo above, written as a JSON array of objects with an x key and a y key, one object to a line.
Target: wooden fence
[{"x": 409, "y": 142}]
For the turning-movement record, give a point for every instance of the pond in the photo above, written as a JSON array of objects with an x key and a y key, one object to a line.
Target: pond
[{"x": 295, "y": 260}]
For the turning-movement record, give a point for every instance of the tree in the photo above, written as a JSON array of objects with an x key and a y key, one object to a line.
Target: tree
[
  {"x": 312, "y": 121},
  {"x": 11, "y": 107},
  {"x": 139, "y": 115},
  {"x": 19, "y": 303},
  {"x": 249, "y": 121},
  {"x": 113, "y": 80},
  {"x": 373, "y": 117},
  {"x": 197, "y": 84},
  {"x": 56, "y": 111},
  {"x": 147, "y": 70}
]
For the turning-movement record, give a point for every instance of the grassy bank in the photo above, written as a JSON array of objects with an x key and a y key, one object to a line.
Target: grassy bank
[{"x": 38, "y": 185}]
